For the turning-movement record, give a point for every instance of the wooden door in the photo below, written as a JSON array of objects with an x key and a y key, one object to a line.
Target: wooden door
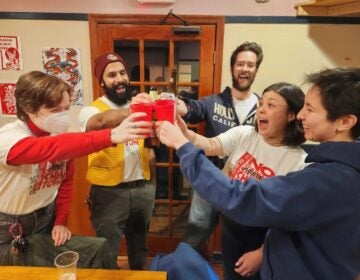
[{"x": 152, "y": 50}]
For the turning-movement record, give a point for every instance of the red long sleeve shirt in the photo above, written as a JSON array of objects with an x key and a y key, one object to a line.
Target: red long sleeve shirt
[{"x": 45, "y": 148}]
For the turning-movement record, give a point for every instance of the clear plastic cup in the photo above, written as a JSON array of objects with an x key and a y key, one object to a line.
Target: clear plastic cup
[{"x": 66, "y": 264}]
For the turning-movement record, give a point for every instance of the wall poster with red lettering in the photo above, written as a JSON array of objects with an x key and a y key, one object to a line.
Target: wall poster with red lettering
[
  {"x": 10, "y": 53},
  {"x": 65, "y": 64},
  {"x": 7, "y": 97}
]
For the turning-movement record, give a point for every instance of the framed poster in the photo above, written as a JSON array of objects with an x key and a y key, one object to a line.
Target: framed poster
[
  {"x": 65, "y": 64},
  {"x": 7, "y": 97},
  {"x": 10, "y": 53}
]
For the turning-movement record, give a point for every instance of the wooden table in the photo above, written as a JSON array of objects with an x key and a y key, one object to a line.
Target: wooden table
[{"x": 50, "y": 273}]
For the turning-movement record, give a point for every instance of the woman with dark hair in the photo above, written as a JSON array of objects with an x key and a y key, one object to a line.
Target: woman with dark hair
[
  {"x": 242, "y": 245},
  {"x": 271, "y": 148}
]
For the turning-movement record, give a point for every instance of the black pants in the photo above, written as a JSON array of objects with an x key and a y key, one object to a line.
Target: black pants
[{"x": 236, "y": 240}]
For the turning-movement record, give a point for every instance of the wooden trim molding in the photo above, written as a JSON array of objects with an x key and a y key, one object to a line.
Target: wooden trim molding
[
  {"x": 328, "y": 8},
  {"x": 95, "y": 20}
]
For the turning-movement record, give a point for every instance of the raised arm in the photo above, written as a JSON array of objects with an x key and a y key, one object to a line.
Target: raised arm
[
  {"x": 181, "y": 107},
  {"x": 211, "y": 146},
  {"x": 30, "y": 150},
  {"x": 176, "y": 135},
  {"x": 108, "y": 119}
]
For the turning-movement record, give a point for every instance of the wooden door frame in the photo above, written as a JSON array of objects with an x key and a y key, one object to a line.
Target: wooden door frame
[{"x": 96, "y": 19}]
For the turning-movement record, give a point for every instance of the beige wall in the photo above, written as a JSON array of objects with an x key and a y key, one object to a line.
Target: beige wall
[
  {"x": 38, "y": 34},
  {"x": 291, "y": 50}
]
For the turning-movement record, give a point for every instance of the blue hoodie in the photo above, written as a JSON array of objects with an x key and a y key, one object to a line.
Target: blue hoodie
[
  {"x": 217, "y": 111},
  {"x": 313, "y": 214}
]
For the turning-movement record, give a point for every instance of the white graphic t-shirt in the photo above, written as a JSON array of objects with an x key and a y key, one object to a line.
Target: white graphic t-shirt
[
  {"x": 250, "y": 156},
  {"x": 35, "y": 185}
]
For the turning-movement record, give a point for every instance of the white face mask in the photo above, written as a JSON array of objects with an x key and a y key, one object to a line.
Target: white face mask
[{"x": 56, "y": 123}]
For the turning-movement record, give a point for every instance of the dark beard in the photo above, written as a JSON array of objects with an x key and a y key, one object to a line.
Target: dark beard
[
  {"x": 118, "y": 99},
  {"x": 238, "y": 87}
]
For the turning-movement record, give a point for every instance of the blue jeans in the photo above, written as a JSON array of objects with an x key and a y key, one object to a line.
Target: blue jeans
[{"x": 202, "y": 222}]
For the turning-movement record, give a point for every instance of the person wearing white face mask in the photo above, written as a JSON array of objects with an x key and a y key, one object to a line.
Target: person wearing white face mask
[
  {"x": 36, "y": 175},
  {"x": 57, "y": 122}
]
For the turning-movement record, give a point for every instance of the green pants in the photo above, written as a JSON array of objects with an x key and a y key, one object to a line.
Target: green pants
[
  {"x": 40, "y": 249},
  {"x": 124, "y": 210}
]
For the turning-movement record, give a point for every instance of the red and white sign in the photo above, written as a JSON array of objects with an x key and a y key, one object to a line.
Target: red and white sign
[
  {"x": 10, "y": 53},
  {"x": 7, "y": 97}
]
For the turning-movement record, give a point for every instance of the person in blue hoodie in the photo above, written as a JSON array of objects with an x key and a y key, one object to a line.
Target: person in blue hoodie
[
  {"x": 234, "y": 106},
  {"x": 313, "y": 215}
]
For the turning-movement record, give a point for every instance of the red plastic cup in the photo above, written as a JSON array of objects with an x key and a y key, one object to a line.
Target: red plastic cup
[
  {"x": 144, "y": 108},
  {"x": 165, "y": 110}
]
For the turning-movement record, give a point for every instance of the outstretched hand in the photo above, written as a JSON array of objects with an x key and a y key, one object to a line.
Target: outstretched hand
[
  {"x": 170, "y": 134},
  {"x": 141, "y": 98},
  {"x": 131, "y": 128},
  {"x": 181, "y": 108},
  {"x": 182, "y": 125}
]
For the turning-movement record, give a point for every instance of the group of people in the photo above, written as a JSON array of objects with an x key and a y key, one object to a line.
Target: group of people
[
  {"x": 37, "y": 171},
  {"x": 285, "y": 214},
  {"x": 312, "y": 214}
]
